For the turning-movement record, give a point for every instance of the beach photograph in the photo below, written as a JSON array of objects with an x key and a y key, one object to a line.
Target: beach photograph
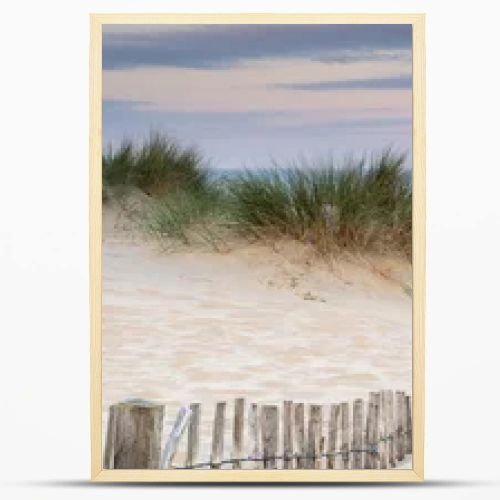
[
  {"x": 244, "y": 254},
  {"x": 257, "y": 286}
]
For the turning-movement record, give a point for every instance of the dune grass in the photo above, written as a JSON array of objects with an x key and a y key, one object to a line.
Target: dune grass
[
  {"x": 363, "y": 205},
  {"x": 191, "y": 216},
  {"x": 157, "y": 166},
  {"x": 355, "y": 205}
]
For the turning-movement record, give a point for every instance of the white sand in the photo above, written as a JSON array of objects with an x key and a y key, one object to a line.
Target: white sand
[{"x": 264, "y": 324}]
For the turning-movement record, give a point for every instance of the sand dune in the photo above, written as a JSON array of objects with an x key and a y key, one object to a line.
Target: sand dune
[{"x": 266, "y": 323}]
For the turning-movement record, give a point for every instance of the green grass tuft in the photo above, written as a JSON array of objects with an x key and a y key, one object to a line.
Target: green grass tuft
[
  {"x": 190, "y": 217},
  {"x": 364, "y": 205},
  {"x": 158, "y": 166}
]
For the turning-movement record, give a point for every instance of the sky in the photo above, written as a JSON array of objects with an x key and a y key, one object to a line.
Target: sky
[{"x": 250, "y": 95}]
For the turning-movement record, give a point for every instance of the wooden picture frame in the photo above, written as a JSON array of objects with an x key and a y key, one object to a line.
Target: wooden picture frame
[{"x": 98, "y": 473}]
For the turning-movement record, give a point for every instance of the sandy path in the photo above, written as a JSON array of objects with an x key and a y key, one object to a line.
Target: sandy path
[{"x": 202, "y": 327}]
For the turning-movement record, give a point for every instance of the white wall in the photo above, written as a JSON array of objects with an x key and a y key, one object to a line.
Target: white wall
[{"x": 44, "y": 444}]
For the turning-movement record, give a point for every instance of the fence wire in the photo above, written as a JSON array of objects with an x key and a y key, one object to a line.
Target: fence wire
[{"x": 289, "y": 458}]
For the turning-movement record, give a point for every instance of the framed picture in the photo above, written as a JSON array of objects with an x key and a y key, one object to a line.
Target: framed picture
[{"x": 257, "y": 247}]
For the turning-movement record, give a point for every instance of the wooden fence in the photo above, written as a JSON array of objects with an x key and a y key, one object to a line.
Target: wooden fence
[{"x": 373, "y": 434}]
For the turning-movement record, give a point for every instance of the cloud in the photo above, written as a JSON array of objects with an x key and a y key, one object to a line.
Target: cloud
[
  {"x": 253, "y": 87},
  {"x": 391, "y": 83},
  {"x": 224, "y": 46},
  {"x": 224, "y": 124},
  {"x": 372, "y": 55}
]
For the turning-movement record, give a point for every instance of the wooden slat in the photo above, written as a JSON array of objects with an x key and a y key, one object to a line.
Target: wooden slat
[
  {"x": 383, "y": 444},
  {"x": 334, "y": 429},
  {"x": 314, "y": 437},
  {"x": 357, "y": 433},
  {"x": 389, "y": 427},
  {"x": 409, "y": 434},
  {"x": 172, "y": 442},
  {"x": 300, "y": 444},
  {"x": 137, "y": 437},
  {"x": 218, "y": 435},
  {"x": 346, "y": 436},
  {"x": 369, "y": 431},
  {"x": 269, "y": 422},
  {"x": 110, "y": 440},
  {"x": 193, "y": 435},
  {"x": 287, "y": 435},
  {"x": 238, "y": 431},
  {"x": 372, "y": 458},
  {"x": 404, "y": 423},
  {"x": 375, "y": 457},
  {"x": 254, "y": 434},
  {"x": 399, "y": 423}
]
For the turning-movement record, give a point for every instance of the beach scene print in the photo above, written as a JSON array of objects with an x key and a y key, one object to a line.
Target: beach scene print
[{"x": 257, "y": 246}]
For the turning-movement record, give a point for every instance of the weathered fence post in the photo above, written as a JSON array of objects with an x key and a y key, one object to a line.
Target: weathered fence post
[
  {"x": 409, "y": 435},
  {"x": 181, "y": 421},
  {"x": 134, "y": 440},
  {"x": 287, "y": 435},
  {"x": 314, "y": 437},
  {"x": 270, "y": 435},
  {"x": 300, "y": 444},
  {"x": 404, "y": 425},
  {"x": 399, "y": 426},
  {"x": 254, "y": 434},
  {"x": 218, "y": 436},
  {"x": 383, "y": 431},
  {"x": 110, "y": 439},
  {"x": 372, "y": 460},
  {"x": 390, "y": 423},
  {"x": 333, "y": 435},
  {"x": 357, "y": 433},
  {"x": 238, "y": 431},
  {"x": 389, "y": 427},
  {"x": 369, "y": 433},
  {"x": 193, "y": 435},
  {"x": 346, "y": 431}
]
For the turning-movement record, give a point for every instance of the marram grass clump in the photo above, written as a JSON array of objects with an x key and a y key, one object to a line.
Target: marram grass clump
[
  {"x": 157, "y": 166},
  {"x": 190, "y": 217},
  {"x": 358, "y": 205}
]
